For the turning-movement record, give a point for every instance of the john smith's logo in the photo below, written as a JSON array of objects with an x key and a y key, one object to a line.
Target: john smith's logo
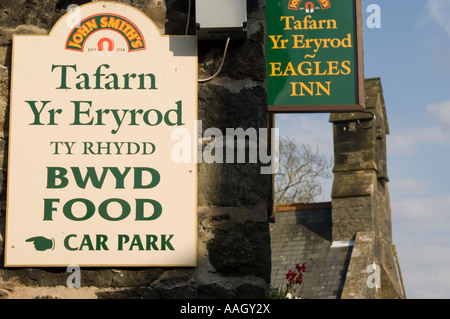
[
  {"x": 309, "y": 6},
  {"x": 109, "y": 46},
  {"x": 127, "y": 29}
]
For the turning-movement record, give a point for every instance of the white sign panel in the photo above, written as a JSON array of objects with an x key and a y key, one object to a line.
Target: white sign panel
[{"x": 91, "y": 178}]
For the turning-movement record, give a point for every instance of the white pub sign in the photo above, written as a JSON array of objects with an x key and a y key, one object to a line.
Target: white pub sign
[{"x": 91, "y": 178}]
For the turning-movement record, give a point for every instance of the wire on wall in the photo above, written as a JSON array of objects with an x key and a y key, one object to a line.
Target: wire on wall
[
  {"x": 188, "y": 17},
  {"x": 224, "y": 53},
  {"x": 221, "y": 64}
]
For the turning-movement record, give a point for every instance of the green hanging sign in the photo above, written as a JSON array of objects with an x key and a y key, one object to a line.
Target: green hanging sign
[{"x": 314, "y": 56}]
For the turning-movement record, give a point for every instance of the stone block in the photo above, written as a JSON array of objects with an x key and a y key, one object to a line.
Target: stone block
[
  {"x": 353, "y": 184},
  {"x": 241, "y": 250}
]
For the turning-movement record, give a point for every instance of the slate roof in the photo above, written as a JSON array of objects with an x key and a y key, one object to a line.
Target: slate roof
[{"x": 302, "y": 234}]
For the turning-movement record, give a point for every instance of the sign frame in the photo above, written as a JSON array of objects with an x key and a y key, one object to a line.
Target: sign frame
[
  {"x": 359, "y": 104},
  {"x": 181, "y": 57}
]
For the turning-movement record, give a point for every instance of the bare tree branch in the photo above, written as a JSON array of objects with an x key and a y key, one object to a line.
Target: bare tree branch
[{"x": 299, "y": 170}]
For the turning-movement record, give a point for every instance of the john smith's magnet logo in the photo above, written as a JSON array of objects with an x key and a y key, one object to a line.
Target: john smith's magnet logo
[
  {"x": 106, "y": 21},
  {"x": 105, "y": 45},
  {"x": 309, "y": 6}
]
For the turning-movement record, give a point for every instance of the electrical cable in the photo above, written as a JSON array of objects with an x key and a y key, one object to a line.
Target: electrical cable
[
  {"x": 188, "y": 17},
  {"x": 221, "y": 64},
  {"x": 224, "y": 52}
]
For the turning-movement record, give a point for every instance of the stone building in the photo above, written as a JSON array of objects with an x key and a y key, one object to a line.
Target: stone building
[
  {"x": 346, "y": 244},
  {"x": 234, "y": 200}
]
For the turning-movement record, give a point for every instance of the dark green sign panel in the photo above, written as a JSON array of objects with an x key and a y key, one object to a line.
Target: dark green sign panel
[{"x": 314, "y": 55}]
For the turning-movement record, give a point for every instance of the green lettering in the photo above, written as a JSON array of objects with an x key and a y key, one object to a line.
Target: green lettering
[
  {"x": 78, "y": 112},
  {"x": 86, "y": 242},
  {"x": 151, "y": 242},
  {"x": 136, "y": 242},
  {"x": 91, "y": 175},
  {"x": 36, "y": 113},
  {"x": 138, "y": 183},
  {"x": 66, "y": 242},
  {"x": 63, "y": 83},
  {"x": 114, "y": 82},
  {"x": 103, "y": 209},
  {"x": 54, "y": 173},
  {"x": 98, "y": 76},
  {"x": 123, "y": 239},
  {"x": 101, "y": 242},
  {"x": 142, "y": 81},
  {"x": 48, "y": 208},
  {"x": 178, "y": 113},
  {"x": 67, "y": 209},
  {"x": 120, "y": 177},
  {"x": 157, "y": 209},
  {"x": 166, "y": 242},
  {"x": 84, "y": 84}
]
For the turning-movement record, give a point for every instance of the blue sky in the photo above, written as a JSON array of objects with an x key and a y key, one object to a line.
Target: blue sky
[{"x": 411, "y": 55}]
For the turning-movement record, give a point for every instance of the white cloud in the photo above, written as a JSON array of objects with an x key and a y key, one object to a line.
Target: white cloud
[
  {"x": 422, "y": 215},
  {"x": 409, "y": 140},
  {"x": 408, "y": 187},
  {"x": 425, "y": 270},
  {"x": 314, "y": 130},
  {"x": 405, "y": 141},
  {"x": 423, "y": 212},
  {"x": 440, "y": 11},
  {"x": 442, "y": 112},
  {"x": 421, "y": 224}
]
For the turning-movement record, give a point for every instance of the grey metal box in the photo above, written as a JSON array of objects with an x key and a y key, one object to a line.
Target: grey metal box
[{"x": 220, "y": 19}]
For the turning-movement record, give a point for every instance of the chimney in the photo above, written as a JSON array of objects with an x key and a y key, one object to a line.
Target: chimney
[{"x": 360, "y": 197}]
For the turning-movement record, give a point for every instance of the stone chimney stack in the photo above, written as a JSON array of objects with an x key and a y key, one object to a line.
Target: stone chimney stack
[
  {"x": 360, "y": 197},
  {"x": 361, "y": 210}
]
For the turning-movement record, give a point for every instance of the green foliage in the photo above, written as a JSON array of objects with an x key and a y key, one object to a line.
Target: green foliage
[{"x": 275, "y": 293}]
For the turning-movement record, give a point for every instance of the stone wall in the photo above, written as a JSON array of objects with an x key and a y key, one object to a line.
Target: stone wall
[{"x": 233, "y": 199}]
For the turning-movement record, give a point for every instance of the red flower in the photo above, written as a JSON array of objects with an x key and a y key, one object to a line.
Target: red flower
[
  {"x": 295, "y": 278},
  {"x": 301, "y": 268}
]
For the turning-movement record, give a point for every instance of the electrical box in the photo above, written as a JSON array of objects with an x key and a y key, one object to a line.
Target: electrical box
[{"x": 220, "y": 19}]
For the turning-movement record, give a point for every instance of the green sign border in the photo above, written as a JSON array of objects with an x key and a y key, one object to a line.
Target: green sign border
[{"x": 359, "y": 95}]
